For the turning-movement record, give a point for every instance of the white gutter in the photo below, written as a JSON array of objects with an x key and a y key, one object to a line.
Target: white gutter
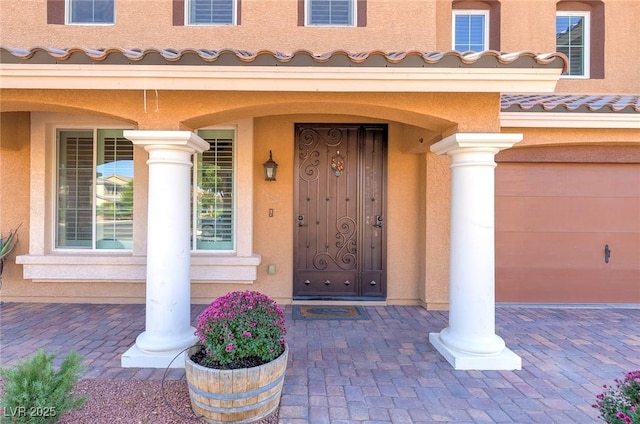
[
  {"x": 277, "y": 78},
  {"x": 569, "y": 120}
]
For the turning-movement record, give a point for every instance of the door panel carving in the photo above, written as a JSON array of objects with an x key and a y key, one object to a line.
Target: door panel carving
[{"x": 340, "y": 197}]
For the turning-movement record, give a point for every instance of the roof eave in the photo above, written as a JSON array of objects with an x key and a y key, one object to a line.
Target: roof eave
[{"x": 541, "y": 79}]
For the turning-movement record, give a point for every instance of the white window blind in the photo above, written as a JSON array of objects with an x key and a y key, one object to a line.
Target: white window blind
[
  {"x": 214, "y": 191},
  {"x": 75, "y": 187},
  {"x": 212, "y": 12},
  {"x": 330, "y": 12},
  {"x": 95, "y": 190},
  {"x": 470, "y": 31}
]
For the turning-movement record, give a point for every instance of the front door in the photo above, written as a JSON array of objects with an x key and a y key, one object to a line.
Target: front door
[{"x": 340, "y": 233}]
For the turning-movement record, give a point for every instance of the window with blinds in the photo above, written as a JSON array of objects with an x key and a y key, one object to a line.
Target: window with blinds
[
  {"x": 572, "y": 39},
  {"x": 75, "y": 188},
  {"x": 330, "y": 12},
  {"x": 95, "y": 190},
  {"x": 213, "y": 206},
  {"x": 212, "y": 12},
  {"x": 91, "y": 11},
  {"x": 114, "y": 191},
  {"x": 470, "y": 30}
]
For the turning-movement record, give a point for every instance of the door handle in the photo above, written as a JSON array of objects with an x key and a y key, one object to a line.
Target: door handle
[
  {"x": 300, "y": 220},
  {"x": 607, "y": 253},
  {"x": 379, "y": 221}
]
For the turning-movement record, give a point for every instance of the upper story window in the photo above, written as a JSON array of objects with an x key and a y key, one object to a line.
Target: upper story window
[
  {"x": 94, "y": 204},
  {"x": 580, "y": 32},
  {"x": 572, "y": 39},
  {"x": 470, "y": 30},
  {"x": 211, "y": 12},
  {"x": 330, "y": 12},
  {"x": 90, "y": 11},
  {"x": 213, "y": 204}
]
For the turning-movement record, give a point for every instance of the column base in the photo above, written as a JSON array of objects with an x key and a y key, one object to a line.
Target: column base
[
  {"x": 505, "y": 360},
  {"x": 135, "y": 357}
]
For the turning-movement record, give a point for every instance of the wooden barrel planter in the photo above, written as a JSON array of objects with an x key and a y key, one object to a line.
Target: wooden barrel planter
[{"x": 242, "y": 395}]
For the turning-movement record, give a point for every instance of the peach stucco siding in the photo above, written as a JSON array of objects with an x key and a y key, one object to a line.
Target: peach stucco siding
[
  {"x": 418, "y": 181},
  {"x": 392, "y": 25},
  {"x": 14, "y": 188},
  {"x": 274, "y": 236},
  {"x": 265, "y": 24},
  {"x": 437, "y": 112},
  {"x": 575, "y": 136}
]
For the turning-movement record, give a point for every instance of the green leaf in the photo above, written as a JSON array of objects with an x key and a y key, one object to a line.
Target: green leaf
[{"x": 6, "y": 246}]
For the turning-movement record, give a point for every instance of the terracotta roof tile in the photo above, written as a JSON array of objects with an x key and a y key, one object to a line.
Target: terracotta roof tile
[
  {"x": 338, "y": 58},
  {"x": 412, "y": 58},
  {"x": 570, "y": 103}
]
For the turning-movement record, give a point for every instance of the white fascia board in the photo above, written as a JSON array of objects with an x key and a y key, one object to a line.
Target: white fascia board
[
  {"x": 277, "y": 78},
  {"x": 569, "y": 120}
]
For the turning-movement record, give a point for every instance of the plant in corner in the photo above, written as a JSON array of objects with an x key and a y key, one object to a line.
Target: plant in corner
[
  {"x": 35, "y": 393},
  {"x": 620, "y": 404},
  {"x": 7, "y": 245},
  {"x": 237, "y": 371}
]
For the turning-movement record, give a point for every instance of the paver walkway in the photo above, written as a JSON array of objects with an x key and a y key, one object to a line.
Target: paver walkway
[{"x": 381, "y": 370}]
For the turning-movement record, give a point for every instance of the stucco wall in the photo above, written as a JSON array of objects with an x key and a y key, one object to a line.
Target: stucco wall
[
  {"x": 418, "y": 182},
  {"x": 14, "y": 186},
  {"x": 274, "y": 235},
  {"x": 572, "y": 136},
  {"x": 265, "y": 24},
  {"x": 622, "y": 48},
  {"x": 442, "y": 113},
  {"x": 392, "y": 25},
  {"x": 412, "y": 277}
]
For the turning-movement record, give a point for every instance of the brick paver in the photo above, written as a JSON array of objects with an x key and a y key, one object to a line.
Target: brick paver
[{"x": 381, "y": 370}]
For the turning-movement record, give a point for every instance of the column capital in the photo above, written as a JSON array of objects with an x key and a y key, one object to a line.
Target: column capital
[
  {"x": 170, "y": 139},
  {"x": 475, "y": 141}
]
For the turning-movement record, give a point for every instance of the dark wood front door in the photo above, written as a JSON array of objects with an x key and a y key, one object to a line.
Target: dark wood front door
[{"x": 340, "y": 233}]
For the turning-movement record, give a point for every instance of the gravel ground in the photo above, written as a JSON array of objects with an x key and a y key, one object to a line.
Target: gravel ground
[{"x": 136, "y": 402}]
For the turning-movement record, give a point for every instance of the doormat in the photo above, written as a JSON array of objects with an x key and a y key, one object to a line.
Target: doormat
[{"x": 329, "y": 312}]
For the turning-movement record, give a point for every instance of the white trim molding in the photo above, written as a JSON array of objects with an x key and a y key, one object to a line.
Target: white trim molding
[
  {"x": 285, "y": 78},
  {"x": 569, "y": 120},
  {"x": 45, "y": 263},
  {"x": 227, "y": 268},
  {"x": 491, "y": 142}
]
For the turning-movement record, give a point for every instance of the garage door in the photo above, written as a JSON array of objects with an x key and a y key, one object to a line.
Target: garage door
[{"x": 554, "y": 224}]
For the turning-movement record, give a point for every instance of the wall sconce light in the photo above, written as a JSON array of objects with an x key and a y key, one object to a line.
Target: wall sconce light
[{"x": 270, "y": 167}]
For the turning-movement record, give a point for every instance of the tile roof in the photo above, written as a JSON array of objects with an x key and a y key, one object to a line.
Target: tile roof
[
  {"x": 341, "y": 58},
  {"x": 570, "y": 103},
  {"x": 233, "y": 57}
]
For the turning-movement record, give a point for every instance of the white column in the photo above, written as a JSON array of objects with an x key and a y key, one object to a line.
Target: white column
[
  {"x": 470, "y": 341},
  {"x": 168, "y": 327}
]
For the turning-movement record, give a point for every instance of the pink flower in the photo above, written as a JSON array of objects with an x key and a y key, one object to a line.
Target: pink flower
[{"x": 242, "y": 324}]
